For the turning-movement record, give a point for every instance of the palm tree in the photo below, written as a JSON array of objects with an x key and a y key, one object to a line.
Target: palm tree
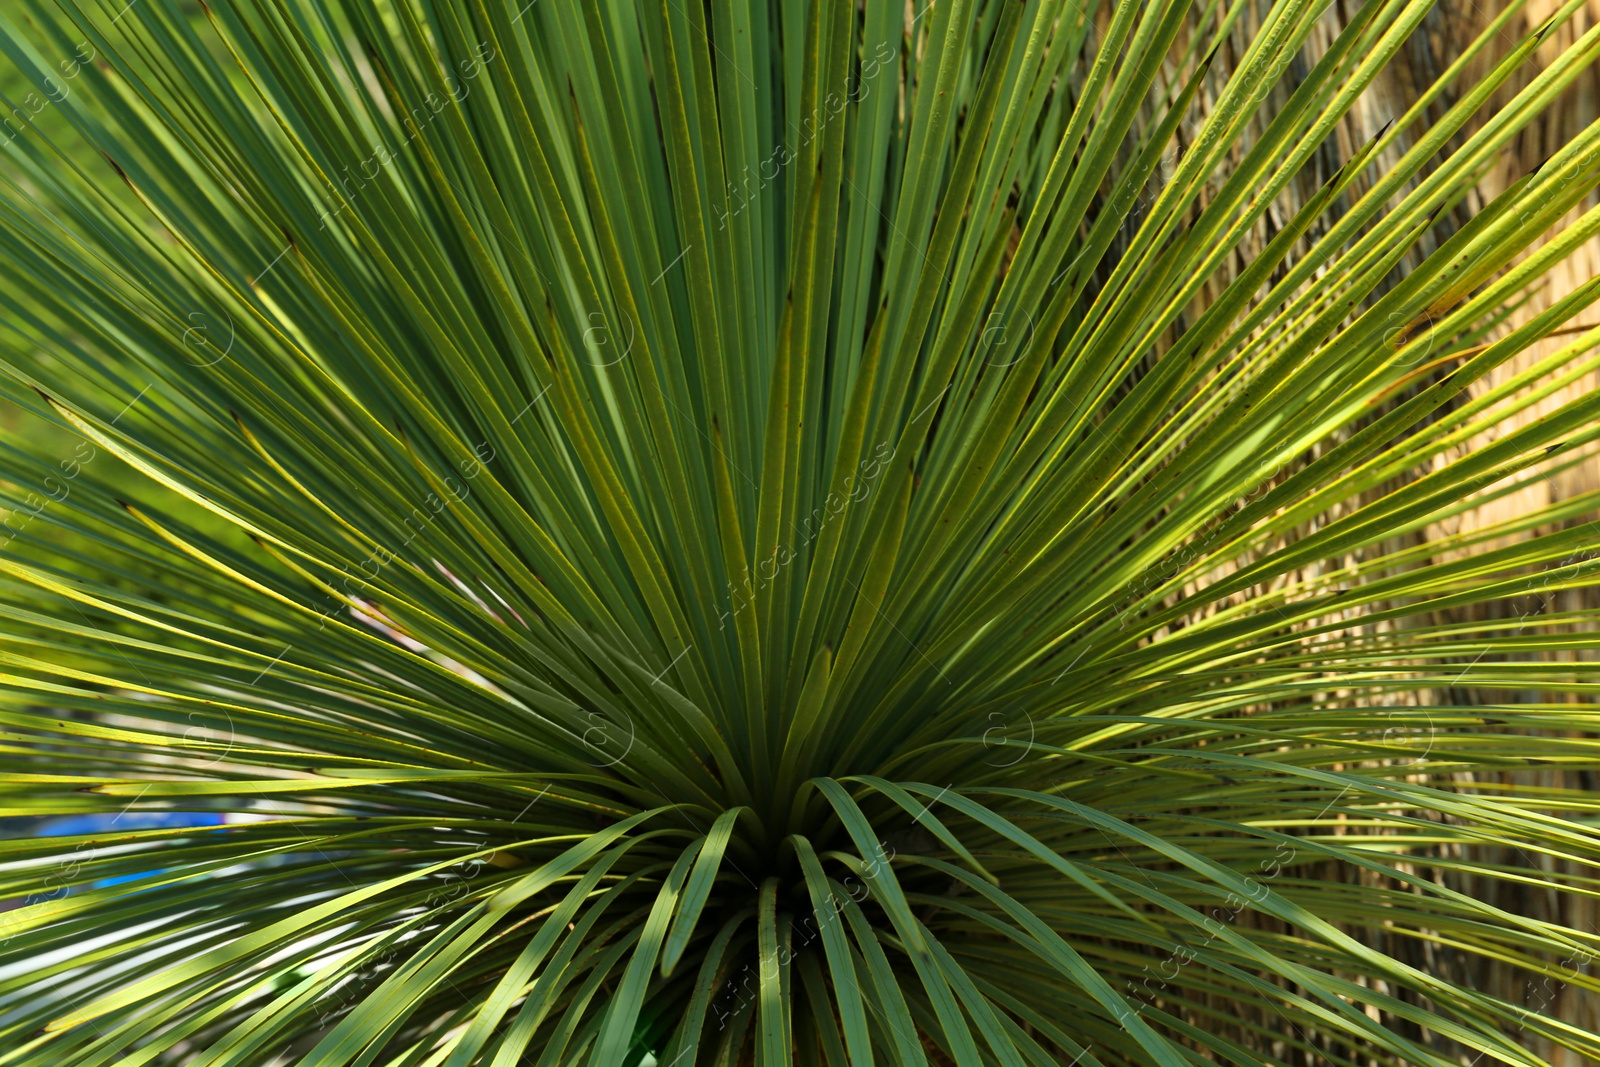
[{"x": 823, "y": 533}]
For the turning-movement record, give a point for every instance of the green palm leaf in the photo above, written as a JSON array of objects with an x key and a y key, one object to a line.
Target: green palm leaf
[{"x": 609, "y": 533}]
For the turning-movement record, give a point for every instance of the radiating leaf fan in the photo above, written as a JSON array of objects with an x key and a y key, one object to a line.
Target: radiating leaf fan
[{"x": 610, "y": 532}]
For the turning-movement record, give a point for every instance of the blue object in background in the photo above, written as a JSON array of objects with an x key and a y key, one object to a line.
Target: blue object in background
[{"x": 105, "y": 822}]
